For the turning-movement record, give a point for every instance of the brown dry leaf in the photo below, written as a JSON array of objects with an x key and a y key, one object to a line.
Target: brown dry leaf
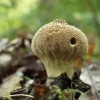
[
  {"x": 90, "y": 52},
  {"x": 40, "y": 91},
  {"x": 78, "y": 64},
  {"x": 91, "y": 48},
  {"x": 9, "y": 84}
]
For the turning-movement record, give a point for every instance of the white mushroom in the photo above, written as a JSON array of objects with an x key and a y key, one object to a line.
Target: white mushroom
[{"x": 59, "y": 45}]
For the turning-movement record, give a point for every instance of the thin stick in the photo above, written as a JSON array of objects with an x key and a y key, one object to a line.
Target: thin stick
[{"x": 24, "y": 95}]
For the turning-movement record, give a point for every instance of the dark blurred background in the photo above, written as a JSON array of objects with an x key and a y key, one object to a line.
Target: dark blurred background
[{"x": 29, "y": 15}]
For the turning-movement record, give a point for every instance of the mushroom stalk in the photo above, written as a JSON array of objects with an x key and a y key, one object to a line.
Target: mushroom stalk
[
  {"x": 55, "y": 68},
  {"x": 59, "y": 45}
]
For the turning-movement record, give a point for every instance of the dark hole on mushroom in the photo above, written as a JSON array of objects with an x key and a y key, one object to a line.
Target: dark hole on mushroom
[{"x": 73, "y": 41}]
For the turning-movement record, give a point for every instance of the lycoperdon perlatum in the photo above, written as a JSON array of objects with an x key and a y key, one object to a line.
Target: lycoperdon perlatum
[{"x": 59, "y": 45}]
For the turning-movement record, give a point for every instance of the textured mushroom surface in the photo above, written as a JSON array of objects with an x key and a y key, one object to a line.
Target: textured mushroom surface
[{"x": 59, "y": 45}]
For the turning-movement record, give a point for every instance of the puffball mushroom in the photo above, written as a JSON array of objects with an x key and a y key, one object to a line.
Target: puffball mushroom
[{"x": 59, "y": 45}]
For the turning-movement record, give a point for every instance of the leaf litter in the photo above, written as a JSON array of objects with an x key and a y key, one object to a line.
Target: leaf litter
[{"x": 23, "y": 76}]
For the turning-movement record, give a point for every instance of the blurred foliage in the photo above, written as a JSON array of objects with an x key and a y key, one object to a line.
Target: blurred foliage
[{"x": 29, "y": 15}]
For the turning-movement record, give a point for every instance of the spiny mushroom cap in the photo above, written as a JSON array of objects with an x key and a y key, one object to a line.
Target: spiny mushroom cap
[{"x": 58, "y": 45}]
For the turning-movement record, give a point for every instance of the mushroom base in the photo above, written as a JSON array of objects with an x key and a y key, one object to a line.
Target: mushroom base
[{"x": 56, "y": 68}]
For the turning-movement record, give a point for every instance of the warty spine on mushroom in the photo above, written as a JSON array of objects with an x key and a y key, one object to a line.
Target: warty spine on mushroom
[{"x": 59, "y": 45}]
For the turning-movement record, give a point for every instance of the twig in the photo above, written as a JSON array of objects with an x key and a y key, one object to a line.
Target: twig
[{"x": 17, "y": 95}]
